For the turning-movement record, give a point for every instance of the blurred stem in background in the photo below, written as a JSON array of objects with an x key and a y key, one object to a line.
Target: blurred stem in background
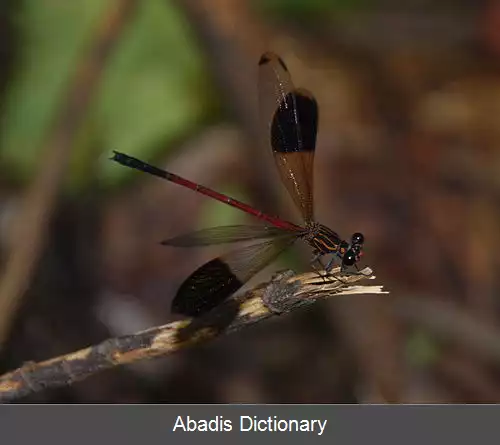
[{"x": 42, "y": 194}]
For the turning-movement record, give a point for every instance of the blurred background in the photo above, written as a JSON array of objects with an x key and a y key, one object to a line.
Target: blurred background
[{"x": 408, "y": 153}]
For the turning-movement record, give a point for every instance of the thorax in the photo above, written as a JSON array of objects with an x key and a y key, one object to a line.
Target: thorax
[{"x": 322, "y": 239}]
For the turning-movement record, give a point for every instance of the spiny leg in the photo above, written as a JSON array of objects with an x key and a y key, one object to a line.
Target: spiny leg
[
  {"x": 329, "y": 267},
  {"x": 331, "y": 263},
  {"x": 317, "y": 259}
]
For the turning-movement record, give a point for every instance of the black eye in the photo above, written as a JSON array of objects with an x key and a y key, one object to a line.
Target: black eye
[
  {"x": 358, "y": 238},
  {"x": 349, "y": 258}
]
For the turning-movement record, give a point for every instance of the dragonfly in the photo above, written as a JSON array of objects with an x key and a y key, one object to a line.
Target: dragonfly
[{"x": 289, "y": 120}]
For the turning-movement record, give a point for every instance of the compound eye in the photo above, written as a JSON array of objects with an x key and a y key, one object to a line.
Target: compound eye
[
  {"x": 349, "y": 258},
  {"x": 358, "y": 238}
]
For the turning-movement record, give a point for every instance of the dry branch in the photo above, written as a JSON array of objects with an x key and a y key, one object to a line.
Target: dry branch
[{"x": 284, "y": 293}]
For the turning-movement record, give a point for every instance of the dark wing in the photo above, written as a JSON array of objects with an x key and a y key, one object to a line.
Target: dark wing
[
  {"x": 290, "y": 119},
  {"x": 215, "y": 281},
  {"x": 223, "y": 235}
]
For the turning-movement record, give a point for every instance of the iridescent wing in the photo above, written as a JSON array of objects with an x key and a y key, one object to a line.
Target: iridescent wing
[
  {"x": 215, "y": 281},
  {"x": 290, "y": 120},
  {"x": 223, "y": 235}
]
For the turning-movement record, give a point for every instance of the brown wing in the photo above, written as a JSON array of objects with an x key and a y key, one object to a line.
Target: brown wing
[
  {"x": 215, "y": 281},
  {"x": 290, "y": 119},
  {"x": 223, "y": 235}
]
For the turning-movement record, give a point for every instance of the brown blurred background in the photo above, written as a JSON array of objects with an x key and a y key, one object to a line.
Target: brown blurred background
[{"x": 408, "y": 153}]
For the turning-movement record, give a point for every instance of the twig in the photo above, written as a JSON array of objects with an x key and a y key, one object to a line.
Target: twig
[
  {"x": 284, "y": 293},
  {"x": 40, "y": 198}
]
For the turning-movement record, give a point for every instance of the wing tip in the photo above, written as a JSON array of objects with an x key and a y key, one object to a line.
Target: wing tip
[
  {"x": 269, "y": 57},
  {"x": 206, "y": 288}
]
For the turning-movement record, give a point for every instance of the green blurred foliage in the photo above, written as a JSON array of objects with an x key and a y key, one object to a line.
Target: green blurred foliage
[
  {"x": 154, "y": 89},
  {"x": 308, "y": 10},
  {"x": 51, "y": 37},
  {"x": 219, "y": 214},
  {"x": 421, "y": 348}
]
